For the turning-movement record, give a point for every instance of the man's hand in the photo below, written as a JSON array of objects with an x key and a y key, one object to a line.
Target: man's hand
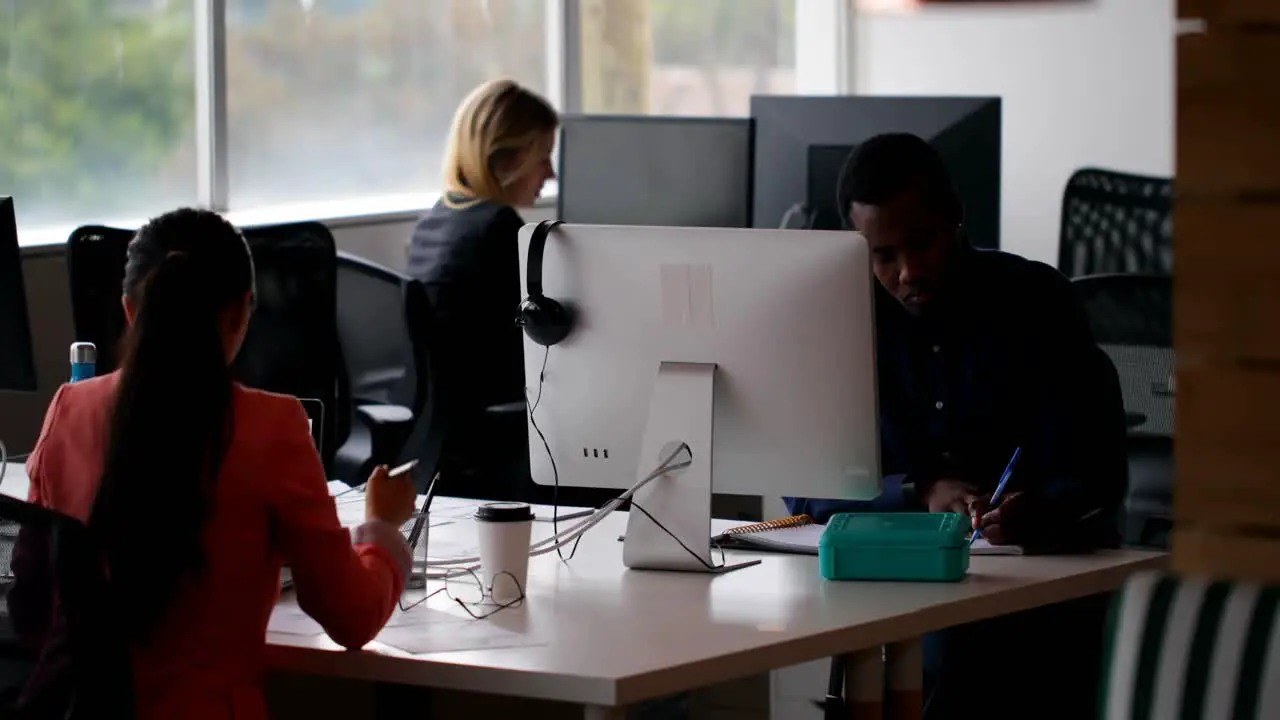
[
  {"x": 947, "y": 495},
  {"x": 1009, "y": 522}
]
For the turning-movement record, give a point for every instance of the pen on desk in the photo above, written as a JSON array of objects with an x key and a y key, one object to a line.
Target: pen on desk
[
  {"x": 995, "y": 496},
  {"x": 420, "y": 522},
  {"x": 431, "y": 493}
]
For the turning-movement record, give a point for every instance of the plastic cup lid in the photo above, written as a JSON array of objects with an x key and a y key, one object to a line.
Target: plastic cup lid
[{"x": 504, "y": 512}]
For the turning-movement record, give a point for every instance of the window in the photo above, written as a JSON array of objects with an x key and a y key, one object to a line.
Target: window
[
  {"x": 97, "y": 105},
  {"x": 340, "y": 99},
  {"x": 685, "y": 57},
  {"x": 277, "y": 110}
]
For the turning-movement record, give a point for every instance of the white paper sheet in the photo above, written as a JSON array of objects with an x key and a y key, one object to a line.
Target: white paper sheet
[
  {"x": 982, "y": 547},
  {"x": 423, "y": 630},
  {"x": 292, "y": 621}
]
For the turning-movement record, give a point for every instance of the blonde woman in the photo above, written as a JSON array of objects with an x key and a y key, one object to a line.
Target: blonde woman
[{"x": 498, "y": 158}]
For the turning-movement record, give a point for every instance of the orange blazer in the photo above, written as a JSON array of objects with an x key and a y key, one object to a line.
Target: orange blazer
[{"x": 272, "y": 506}]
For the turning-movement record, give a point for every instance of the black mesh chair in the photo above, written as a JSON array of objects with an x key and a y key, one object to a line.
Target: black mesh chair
[
  {"x": 59, "y": 641},
  {"x": 384, "y": 323},
  {"x": 292, "y": 344},
  {"x": 1131, "y": 317},
  {"x": 95, "y": 271},
  {"x": 1116, "y": 223}
]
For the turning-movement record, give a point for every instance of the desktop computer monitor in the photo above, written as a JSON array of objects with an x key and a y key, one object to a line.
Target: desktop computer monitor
[
  {"x": 17, "y": 361},
  {"x": 753, "y": 347},
  {"x": 801, "y": 144},
  {"x": 667, "y": 171}
]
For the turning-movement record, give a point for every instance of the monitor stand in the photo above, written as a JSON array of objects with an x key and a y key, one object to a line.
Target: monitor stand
[{"x": 681, "y": 410}]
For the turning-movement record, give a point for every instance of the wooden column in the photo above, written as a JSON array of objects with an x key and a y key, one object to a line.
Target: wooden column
[
  {"x": 1227, "y": 290},
  {"x": 617, "y": 56}
]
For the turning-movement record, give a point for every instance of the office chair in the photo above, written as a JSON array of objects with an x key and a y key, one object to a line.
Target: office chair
[
  {"x": 1132, "y": 321},
  {"x": 384, "y": 324},
  {"x": 1191, "y": 649},
  {"x": 1116, "y": 223},
  {"x": 57, "y": 620},
  {"x": 95, "y": 270},
  {"x": 292, "y": 344}
]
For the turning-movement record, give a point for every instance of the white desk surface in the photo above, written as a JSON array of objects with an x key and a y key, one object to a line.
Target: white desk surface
[{"x": 612, "y": 636}]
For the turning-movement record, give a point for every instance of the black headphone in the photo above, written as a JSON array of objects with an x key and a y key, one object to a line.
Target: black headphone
[{"x": 544, "y": 319}]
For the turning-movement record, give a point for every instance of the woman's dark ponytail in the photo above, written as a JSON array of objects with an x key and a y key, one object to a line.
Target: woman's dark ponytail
[{"x": 172, "y": 420}]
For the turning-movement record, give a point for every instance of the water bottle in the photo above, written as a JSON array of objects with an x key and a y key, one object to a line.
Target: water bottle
[{"x": 84, "y": 361}]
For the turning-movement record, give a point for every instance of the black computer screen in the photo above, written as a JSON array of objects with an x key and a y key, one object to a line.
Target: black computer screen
[
  {"x": 17, "y": 364},
  {"x": 800, "y": 141}
]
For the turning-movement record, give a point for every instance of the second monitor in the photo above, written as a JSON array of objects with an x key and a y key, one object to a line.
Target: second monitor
[
  {"x": 802, "y": 143},
  {"x": 753, "y": 347},
  {"x": 673, "y": 171}
]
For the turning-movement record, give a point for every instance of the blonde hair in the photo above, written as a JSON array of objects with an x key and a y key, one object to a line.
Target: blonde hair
[{"x": 494, "y": 125}]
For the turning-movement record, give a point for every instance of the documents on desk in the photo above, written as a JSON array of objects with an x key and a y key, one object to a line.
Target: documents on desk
[
  {"x": 982, "y": 546},
  {"x": 420, "y": 631},
  {"x": 290, "y": 620},
  {"x": 801, "y": 535},
  {"x": 802, "y": 539},
  {"x": 423, "y": 630}
]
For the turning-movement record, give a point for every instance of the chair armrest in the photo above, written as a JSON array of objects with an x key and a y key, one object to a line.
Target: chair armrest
[
  {"x": 378, "y": 416},
  {"x": 387, "y": 427},
  {"x": 518, "y": 406}
]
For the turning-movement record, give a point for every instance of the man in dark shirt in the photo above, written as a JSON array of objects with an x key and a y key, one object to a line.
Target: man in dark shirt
[{"x": 980, "y": 353}]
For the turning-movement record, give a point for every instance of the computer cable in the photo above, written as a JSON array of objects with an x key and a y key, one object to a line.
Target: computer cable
[
  {"x": 555, "y": 471},
  {"x": 798, "y": 210},
  {"x": 578, "y": 529},
  {"x": 575, "y": 531},
  {"x": 701, "y": 560}
]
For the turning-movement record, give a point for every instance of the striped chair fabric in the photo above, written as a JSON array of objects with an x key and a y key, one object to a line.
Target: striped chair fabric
[{"x": 1192, "y": 649}]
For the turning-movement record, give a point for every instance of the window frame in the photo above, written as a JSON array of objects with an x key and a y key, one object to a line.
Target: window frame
[
  {"x": 212, "y": 184},
  {"x": 823, "y": 67}
]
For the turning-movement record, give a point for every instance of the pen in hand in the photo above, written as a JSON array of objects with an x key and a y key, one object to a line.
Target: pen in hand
[{"x": 995, "y": 497}]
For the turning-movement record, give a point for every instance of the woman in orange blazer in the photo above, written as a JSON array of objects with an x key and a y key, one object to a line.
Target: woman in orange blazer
[{"x": 198, "y": 489}]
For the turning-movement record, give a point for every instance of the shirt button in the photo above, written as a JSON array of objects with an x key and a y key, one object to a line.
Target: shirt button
[
  {"x": 937, "y": 348},
  {"x": 937, "y": 405}
]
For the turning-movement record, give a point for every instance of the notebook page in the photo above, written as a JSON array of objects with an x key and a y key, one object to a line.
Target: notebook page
[
  {"x": 802, "y": 539},
  {"x": 982, "y": 547}
]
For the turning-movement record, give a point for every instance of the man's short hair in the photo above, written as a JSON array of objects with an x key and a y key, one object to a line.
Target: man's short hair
[{"x": 887, "y": 166}]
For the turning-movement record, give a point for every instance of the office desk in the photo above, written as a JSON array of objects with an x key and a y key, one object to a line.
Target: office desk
[{"x": 610, "y": 637}]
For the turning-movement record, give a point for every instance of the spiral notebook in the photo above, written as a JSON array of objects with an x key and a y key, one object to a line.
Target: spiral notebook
[
  {"x": 796, "y": 534},
  {"x": 800, "y": 534}
]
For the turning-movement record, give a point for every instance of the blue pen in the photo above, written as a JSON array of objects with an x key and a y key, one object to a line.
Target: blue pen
[{"x": 995, "y": 497}]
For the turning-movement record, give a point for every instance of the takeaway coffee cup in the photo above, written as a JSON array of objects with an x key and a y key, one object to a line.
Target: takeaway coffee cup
[{"x": 504, "y": 530}]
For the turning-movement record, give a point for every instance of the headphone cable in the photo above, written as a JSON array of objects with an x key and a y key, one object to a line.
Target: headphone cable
[{"x": 555, "y": 471}]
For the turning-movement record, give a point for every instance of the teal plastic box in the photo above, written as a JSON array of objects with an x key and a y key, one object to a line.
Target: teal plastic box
[{"x": 931, "y": 547}]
